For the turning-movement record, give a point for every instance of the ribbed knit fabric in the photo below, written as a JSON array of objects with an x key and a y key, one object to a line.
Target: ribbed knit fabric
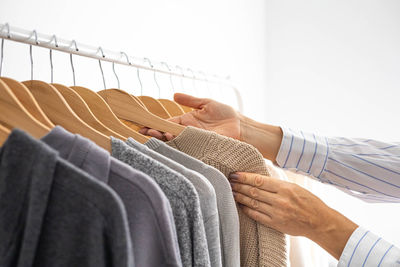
[{"x": 259, "y": 245}]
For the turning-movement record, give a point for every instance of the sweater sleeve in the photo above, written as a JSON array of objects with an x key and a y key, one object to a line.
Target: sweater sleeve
[{"x": 365, "y": 168}]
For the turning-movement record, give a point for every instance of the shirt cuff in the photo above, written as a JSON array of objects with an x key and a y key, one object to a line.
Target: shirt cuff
[
  {"x": 366, "y": 249},
  {"x": 303, "y": 152}
]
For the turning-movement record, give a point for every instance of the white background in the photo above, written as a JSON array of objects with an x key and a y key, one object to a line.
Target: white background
[{"x": 331, "y": 67}]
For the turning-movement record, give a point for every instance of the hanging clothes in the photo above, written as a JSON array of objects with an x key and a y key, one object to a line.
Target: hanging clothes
[
  {"x": 207, "y": 198},
  {"x": 260, "y": 245},
  {"x": 150, "y": 218},
  {"x": 227, "y": 212},
  {"x": 53, "y": 214},
  {"x": 183, "y": 198}
]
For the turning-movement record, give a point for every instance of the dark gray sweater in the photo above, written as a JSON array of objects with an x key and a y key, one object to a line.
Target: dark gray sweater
[
  {"x": 183, "y": 198},
  {"x": 53, "y": 214},
  {"x": 150, "y": 217}
]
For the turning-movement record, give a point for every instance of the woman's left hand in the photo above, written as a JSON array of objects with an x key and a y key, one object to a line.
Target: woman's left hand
[{"x": 291, "y": 209}]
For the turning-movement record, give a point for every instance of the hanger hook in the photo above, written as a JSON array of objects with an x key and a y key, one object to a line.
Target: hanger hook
[
  {"x": 206, "y": 80},
  {"x": 154, "y": 76},
  {"x": 2, "y": 44},
  {"x": 183, "y": 75},
  {"x": 170, "y": 76},
  {"x": 73, "y": 43},
  {"x": 116, "y": 76},
  {"x": 54, "y": 37},
  {"x": 193, "y": 80},
  {"x": 34, "y": 33},
  {"x": 101, "y": 68}
]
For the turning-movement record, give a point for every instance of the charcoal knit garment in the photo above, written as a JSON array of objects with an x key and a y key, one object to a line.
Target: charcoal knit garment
[
  {"x": 260, "y": 246},
  {"x": 183, "y": 198}
]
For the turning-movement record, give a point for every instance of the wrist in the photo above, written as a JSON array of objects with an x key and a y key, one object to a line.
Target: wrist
[
  {"x": 266, "y": 138},
  {"x": 333, "y": 231}
]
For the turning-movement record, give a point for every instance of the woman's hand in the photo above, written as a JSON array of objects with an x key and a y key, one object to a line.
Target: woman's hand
[
  {"x": 207, "y": 114},
  {"x": 291, "y": 209}
]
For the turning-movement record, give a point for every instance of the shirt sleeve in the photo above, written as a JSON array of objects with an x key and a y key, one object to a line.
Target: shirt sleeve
[
  {"x": 366, "y": 249},
  {"x": 365, "y": 168}
]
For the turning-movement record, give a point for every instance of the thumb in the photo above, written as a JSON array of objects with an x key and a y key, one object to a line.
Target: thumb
[{"x": 190, "y": 101}]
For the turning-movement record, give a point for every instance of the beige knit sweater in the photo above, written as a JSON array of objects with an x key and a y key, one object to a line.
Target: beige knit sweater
[{"x": 260, "y": 246}]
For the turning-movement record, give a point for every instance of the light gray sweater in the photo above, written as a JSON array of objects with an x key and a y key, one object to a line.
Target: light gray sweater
[
  {"x": 206, "y": 192},
  {"x": 183, "y": 198},
  {"x": 228, "y": 215}
]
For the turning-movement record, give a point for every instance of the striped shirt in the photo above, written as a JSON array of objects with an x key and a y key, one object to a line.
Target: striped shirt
[{"x": 364, "y": 168}]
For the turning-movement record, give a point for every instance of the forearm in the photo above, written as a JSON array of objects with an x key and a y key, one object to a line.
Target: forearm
[
  {"x": 266, "y": 138},
  {"x": 333, "y": 233}
]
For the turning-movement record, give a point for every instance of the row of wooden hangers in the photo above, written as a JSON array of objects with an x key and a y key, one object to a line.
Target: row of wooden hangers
[{"x": 36, "y": 107}]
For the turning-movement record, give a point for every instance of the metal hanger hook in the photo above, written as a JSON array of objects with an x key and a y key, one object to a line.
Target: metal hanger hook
[
  {"x": 154, "y": 75},
  {"x": 101, "y": 68},
  {"x": 193, "y": 80},
  {"x": 183, "y": 75},
  {"x": 73, "y": 43},
  {"x": 34, "y": 33},
  {"x": 7, "y": 26},
  {"x": 54, "y": 37},
  {"x": 170, "y": 77}
]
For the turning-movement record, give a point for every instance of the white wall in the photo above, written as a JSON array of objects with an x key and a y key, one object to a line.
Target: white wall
[
  {"x": 333, "y": 67},
  {"x": 226, "y": 37}
]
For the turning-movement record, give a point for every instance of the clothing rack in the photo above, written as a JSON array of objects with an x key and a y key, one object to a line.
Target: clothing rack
[{"x": 53, "y": 42}]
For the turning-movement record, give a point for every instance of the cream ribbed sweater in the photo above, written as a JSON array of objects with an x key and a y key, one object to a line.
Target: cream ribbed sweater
[{"x": 260, "y": 246}]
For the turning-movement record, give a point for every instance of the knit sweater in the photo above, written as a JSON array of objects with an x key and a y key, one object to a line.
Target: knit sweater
[
  {"x": 183, "y": 198},
  {"x": 260, "y": 245},
  {"x": 227, "y": 212}
]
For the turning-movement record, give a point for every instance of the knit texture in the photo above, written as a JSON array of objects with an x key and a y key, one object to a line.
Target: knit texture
[
  {"x": 208, "y": 201},
  {"x": 183, "y": 198},
  {"x": 53, "y": 214},
  {"x": 227, "y": 212},
  {"x": 150, "y": 217},
  {"x": 260, "y": 245}
]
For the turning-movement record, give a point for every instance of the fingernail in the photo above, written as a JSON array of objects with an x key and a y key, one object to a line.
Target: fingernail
[
  {"x": 233, "y": 176},
  {"x": 232, "y": 184},
  {"x": 234, "y": 194}
]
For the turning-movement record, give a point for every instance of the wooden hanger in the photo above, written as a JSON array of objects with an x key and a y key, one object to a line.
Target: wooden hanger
[
  {"x": 104, "y": 114},
  {"x": 57, "y": 109},
  {"x": 140, "y": 101},
  {"x": 14, "y": 114},
  {"x": 125, "y": 107},
  {"x": 81, "y": 109},
  {"x": 4, "y": 133},
  {"x": 172, "y": 107},
  {"x": 27, "y": 100},
  {"x": 186, "y": 109},
  {"x": 155, "y": 107}
]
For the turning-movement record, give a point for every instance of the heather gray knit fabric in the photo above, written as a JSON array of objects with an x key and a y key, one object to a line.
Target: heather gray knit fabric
[
  {"x": 228, "y": 215},
  {"x": 150, "y": 218},
  {"x": 259, "y": 245},
  {"x": 183, "y": 198},
  {"x": 206, "y": 192},
  {"x": 53, "y": 214}
]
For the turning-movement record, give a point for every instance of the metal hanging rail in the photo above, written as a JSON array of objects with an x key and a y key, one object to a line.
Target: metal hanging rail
[{"x": 53, "y": 42}]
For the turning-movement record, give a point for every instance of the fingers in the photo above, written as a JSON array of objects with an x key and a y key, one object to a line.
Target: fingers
[
  {"x": 257, "y": 216},
  {"x": 254, "y": 193},
  {"x": 190, "y": 101},
  {"x": 253, "y": 203},
  {"x": 256, "y": 180}
]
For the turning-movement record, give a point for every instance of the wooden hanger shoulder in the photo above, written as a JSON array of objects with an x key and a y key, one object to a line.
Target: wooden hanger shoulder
[
  {"x": 81, "y": 109},
  {"x": 172, "y": 107},
  {"x": 4, "y": 133},
  {"x": 104, "y": 114},
  {"x": 125, "y": 107},
  {"x": 58, "y": 110},
  {"x": 27, "y": 100},
  {"x": 155, "y": 107},
  {"x": 14, "y": 114},
  {"x": 186, "y": 109}
]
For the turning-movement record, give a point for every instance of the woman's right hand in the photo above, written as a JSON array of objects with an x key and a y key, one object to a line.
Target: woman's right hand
[{"x": 207, "y": 114}]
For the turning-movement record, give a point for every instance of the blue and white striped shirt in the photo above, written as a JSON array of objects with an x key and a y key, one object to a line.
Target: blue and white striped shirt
[{"x": 364, "y": 168}]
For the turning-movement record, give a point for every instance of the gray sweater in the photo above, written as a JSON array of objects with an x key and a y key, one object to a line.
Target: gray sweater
[
  {"x": 150, "y": 218},
  {"x": 206, "y": 192},
  {"x": 228, "y": 215},
  {"x": 183, "y": 198},
  {"x": 53, "y": 214}
]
